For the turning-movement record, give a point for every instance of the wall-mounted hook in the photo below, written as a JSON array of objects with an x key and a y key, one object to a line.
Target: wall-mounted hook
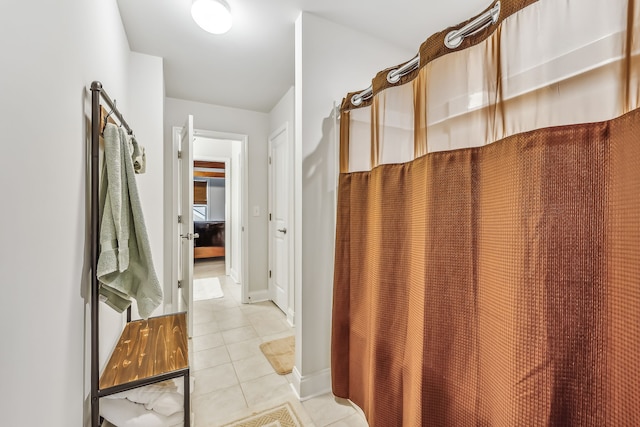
[{"x": 106, "y": 118}]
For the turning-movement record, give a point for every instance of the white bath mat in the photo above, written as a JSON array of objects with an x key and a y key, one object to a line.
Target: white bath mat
[{"x": 207, "y": 288}]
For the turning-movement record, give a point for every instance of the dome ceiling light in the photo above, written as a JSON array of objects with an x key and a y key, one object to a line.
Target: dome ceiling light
[{"x": 213, "y": 16}]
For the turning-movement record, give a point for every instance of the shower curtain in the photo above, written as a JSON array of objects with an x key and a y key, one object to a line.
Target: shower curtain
[{"x": 487, "y": 268}]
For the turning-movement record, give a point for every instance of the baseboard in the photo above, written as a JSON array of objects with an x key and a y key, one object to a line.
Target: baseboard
[
  {"x": 309, "y": 386},
  {"x": 168, "y": 309},
  {"x": 234, "y": 275},
  {"x": 258, "y": 296},
  {"x": 291, "y": 317}
]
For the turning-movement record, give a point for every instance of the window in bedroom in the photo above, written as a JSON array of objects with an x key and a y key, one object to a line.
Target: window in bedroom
[
  {"x": 199, "y": 200},
  {"x": 200, "y": 212}
]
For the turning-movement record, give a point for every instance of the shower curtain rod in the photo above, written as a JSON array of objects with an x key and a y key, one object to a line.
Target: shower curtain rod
[
  {"x": 392, "y": 77},
  {"x": 97, "y": 87},
  {"x": 452, "y": 40}
]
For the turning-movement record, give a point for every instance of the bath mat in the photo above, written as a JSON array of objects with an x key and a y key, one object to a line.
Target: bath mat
[
  {"x": 280, "y": 353},
  {"x": 207, "y": 288},
  {"x": 280, "y": 416}
]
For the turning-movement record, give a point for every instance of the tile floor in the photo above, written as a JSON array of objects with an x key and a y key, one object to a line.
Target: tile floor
[{"x": 232, "y": 376}]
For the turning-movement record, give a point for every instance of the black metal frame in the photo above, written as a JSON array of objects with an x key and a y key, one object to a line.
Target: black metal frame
[{"x": 98, "y": 92}]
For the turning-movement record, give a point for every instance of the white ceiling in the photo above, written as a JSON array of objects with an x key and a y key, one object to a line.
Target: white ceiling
[{"x": 252, "y": 66}]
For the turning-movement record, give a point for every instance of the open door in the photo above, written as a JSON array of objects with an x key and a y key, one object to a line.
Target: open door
[{"x": 186, "y": 222}]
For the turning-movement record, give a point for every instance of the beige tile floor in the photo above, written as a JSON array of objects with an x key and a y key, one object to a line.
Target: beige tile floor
[{"x": 232, "y": 376}]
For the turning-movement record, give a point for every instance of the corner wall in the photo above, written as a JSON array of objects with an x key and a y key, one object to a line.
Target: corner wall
[
  {"x": 145, "y": 114},
  {"x": 330, "y": 61},
  {"x": 283, "y": 111},
  {"x": 52, "y": 55}
]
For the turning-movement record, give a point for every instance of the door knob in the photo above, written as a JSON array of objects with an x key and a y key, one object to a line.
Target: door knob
[
  {"x": 282, "y": 230},
  {"x": 190, "y": 236}
]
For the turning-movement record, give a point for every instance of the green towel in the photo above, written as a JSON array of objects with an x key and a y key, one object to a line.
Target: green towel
[
  {"x": 125, "y": 266},
  {"x": 138, "y": 156}
]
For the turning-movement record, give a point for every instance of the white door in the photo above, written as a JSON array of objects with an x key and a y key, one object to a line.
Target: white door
[
  {"x": 279, "y": 219},
  {"x": 186, "y": 224}
]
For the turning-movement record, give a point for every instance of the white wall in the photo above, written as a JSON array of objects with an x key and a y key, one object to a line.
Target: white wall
[
  {"x": 206, "y": 148},
  {"x": 52, "y": 51},
  {"x": 330, "y": 61},
  {"x": 216, "y": 199},
  {"x": 145, "y": 114},
  {"x": 283, "y": 111},
  {"x": 256, "y": 126}
]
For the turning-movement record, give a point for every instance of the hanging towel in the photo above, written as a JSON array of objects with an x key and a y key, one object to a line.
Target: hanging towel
[
  {"x": 125, "y": 267},
  {"x": 114, "y": 202},
  {"x": 138, "y": 156}
]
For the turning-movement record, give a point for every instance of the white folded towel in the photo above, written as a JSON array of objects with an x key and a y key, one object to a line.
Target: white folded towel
[
  {"x": 166, "y": 397},
  {"x": 124, "y": 413}
]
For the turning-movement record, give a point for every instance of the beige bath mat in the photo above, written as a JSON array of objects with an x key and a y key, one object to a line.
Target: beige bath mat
[
  {"x": 280, "y": 416},
  {"x": 280, "y": 353}
]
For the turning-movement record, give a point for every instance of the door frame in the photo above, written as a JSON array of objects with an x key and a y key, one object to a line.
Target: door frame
[
  {"x": 184, "y": 237},
  {"x": 290, "y": 312},
  {"x": 171, "y": 286}
]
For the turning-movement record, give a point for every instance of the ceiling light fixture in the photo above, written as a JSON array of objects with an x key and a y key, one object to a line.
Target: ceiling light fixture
[{"x": 213, "y": 16}]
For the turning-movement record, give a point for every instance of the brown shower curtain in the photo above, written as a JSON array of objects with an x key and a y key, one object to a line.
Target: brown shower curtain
[{"x": 488, "y": 236}]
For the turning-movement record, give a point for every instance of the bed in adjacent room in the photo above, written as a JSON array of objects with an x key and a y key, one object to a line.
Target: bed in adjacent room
[{"x": 210, "y": 242}]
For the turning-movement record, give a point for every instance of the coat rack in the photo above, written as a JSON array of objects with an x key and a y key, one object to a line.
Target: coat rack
[{"x": 149, "y": 350}]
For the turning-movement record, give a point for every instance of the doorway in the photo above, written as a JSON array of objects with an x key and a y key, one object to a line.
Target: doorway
[
  {"x": 212, "y": 208},
  {"x": 230, "y": 150}
]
